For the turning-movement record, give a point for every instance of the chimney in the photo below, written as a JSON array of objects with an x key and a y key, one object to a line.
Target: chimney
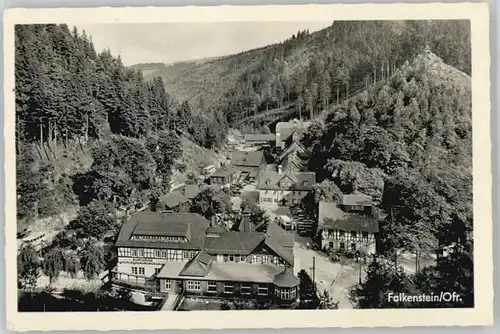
[
  {"x": 245, "y": 222},
  {"x": 279, "y": 169},
  {"x": 278, "y": 139}
]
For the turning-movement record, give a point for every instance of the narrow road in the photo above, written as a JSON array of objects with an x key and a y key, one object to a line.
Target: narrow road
[{"x": 330, "y": 276}]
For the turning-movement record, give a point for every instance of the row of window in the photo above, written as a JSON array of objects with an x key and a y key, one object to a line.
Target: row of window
[
  {"x": 170, "y": 254},
  {"x": 245, "y": 289},
  {"x": 343, "y": 247},
  {"x": 340, "y": 235},
  {"x": 282, "y": 192},
  {"x": 276, "y": 200},
  {"x": 142, "y": 271},
  {"x": 159, "y": 238},
  {"x": 355, "y": 207},
  {"x": 138, "y": 271},
  {"x": 254, "y": 258},
  {"x": 286, "y": 294}
]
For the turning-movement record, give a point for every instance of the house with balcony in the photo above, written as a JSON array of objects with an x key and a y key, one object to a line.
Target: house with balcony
[
  {"x": 348, "y": 225},
  {"x": 181, "y": 253},
  {"x": 278, "y": 188}
]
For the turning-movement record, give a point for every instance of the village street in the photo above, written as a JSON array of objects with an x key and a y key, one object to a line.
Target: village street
[{"x": 330, "y": 276}]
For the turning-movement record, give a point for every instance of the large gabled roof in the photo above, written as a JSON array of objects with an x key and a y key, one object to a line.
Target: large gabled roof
[
  {"x": 160, "y": 228},
  {"x": 233, "y": 242},
  {"x": 285, "y": 253},
  {"x": 224, "y": 171},
  {"x": 190, "y": 191},
  {"x": 302, "y": 151},
  {"x": 330, "y": 216},
  {"x": 357, "y": 199},
  {"x": 199, "y": 266},
  {"x": 164, "y": 223},
  {"x": 286, "y": 129},
  {"x": 173, "y": 199},
  {"x": 284, "y": 238}
]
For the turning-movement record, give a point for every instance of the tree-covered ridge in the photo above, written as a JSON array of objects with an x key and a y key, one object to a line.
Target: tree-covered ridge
[
  {"x": 409, "y": 144},
  {"x": 65, "y": 89},
  {"x": 313, "y": 71},
  {"x": 80, "y": 108}
]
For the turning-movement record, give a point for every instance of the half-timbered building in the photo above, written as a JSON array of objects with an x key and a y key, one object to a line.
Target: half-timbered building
[{"x": 182, "y": 253}]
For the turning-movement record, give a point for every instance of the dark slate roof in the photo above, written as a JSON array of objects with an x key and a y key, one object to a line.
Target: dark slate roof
[
  {"x": 286, "y": 279},
  {"x": 330, "y": 216},
  {"x": 232, "y": 242},
  {"x": 285, "y": 253},
  {"x": 172, "y": 199},
  {"x": 178, "y": 179},
  {"x": 286, "y": 129},
  {"x": 190, "y": 191},
  {"x": 161, "y": 222},
  {"x": 359, "y": 199},
  {"x": 249, "y": 159},
  {"x": 199, "y": 266},
  {"x": 271, "y": 180},
  {"x": 215, "y": 229},
  {"x": 158, "y": 227},
  {"x": 260, "y": 137},
  {"x": 284, "y": 238},
  {"x": 223, "y": 172},
  {"x": 329, "y": 210},
  {"x": 295, "y": 147}
]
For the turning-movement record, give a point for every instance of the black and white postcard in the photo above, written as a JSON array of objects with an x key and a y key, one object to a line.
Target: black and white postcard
[{"x": 264, "y": 161}]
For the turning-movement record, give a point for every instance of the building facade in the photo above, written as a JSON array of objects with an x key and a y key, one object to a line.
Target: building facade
[
  {"x": 285, "y": 132},
  {"x": 348, "y": 226},
  {"x": 294, "y": 158},
  {"x": 224, "y": 176},
  {"x": 278, "y": 188},
  {"x": 182, "y": 253},
  {"x": 260, "y": 140},
  {"x": 248, "y": 164}
]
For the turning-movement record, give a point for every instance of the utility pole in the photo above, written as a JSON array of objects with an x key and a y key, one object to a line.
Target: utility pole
[
  {"x": 314, "y": 273},
  {"x": 359, "y": 241},
  {"x": 359, "y": 270}
]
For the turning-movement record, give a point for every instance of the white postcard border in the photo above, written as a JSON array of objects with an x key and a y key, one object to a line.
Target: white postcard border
[{"x": 481, "y": 314}]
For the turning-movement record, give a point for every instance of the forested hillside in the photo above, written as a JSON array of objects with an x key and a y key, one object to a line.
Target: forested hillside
[
  {"x": 81, "y": 115},
  {"x": 312, "y": 71},
  {"x": 408, "y": 143}
]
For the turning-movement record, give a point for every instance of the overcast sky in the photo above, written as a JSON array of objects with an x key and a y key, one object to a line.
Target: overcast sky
[{"x": 172, "y": 42}]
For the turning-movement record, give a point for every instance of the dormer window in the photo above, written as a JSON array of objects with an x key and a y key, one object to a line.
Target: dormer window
[{"x": 285, "y": 184}]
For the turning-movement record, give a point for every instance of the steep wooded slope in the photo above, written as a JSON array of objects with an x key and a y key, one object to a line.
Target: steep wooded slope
[
  {"x": 79, "y": 110},
  {"x": 311, "y": 71},
  {"x": 408, "y": 143}
]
